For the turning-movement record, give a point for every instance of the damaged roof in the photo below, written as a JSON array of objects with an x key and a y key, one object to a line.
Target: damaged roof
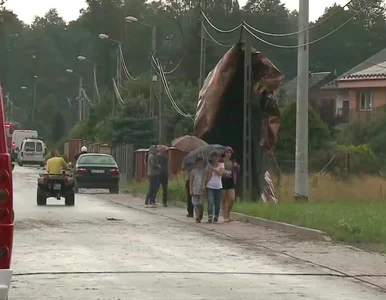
[
  {"x": 377, "y": 59},
  {"x": 291, "y": 86}
]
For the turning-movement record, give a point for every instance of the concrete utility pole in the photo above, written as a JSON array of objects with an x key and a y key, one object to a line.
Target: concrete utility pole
[
  {"x": 301, "y": 158},
  {"x": 34, "y": 100},
  {"x": 152, "y": 75},
  {"x": 160, "y": 114},
  {"x": 80, "y": 100},
  {"x": 203, "y": 48},
  {"x": 247, "y": 137}
]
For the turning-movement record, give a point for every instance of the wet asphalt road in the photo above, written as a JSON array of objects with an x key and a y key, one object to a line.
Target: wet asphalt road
[{"x": 76, "y": 253}]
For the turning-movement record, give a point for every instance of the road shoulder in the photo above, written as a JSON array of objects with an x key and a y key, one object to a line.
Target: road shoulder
[{"x": 367, "y": 267}]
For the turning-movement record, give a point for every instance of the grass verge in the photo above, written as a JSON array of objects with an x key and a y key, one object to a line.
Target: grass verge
[{"x": 352, "y": 211}]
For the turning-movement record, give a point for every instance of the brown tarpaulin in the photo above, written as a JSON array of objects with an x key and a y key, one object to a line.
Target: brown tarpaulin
[{"x": 266, "y": 78}]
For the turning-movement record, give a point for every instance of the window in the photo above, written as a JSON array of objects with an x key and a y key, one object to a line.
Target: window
[
  {"x": 96, "y": 160},
  {"x": 366, "y": 101},
  {"x": 29, "y": 146},
  {"x": 39, "y": 146}
]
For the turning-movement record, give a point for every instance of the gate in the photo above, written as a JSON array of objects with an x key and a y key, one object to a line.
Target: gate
[{"x": 124, "y": 156}]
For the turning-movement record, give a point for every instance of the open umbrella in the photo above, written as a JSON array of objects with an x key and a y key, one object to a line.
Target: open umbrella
[
  {"x": 188, "y": 143},
  {"x": 204, "y": 152}
]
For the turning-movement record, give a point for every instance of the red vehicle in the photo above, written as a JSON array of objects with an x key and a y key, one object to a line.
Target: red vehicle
[
  {"x": 9, "y": 129},
  {"x": 6, "y": 210}
]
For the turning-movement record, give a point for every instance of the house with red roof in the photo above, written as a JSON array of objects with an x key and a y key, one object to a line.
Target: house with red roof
[{"x": 361, "y": 91}]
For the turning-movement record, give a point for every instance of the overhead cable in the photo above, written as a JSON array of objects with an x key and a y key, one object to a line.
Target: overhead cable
[
  {"x": 219, "y": 29},
  {"x": 313, "y": 41},
  {"x": 96, "y": 84},
  {"x": 289, "y": 33},
  {"x": 213, "y": 39},
  {"x": 160, "y": 71},
  {"x": 116, "y": 90},
  {"x": 248, "y": 28},
  {"x": 126, "y": 71}
]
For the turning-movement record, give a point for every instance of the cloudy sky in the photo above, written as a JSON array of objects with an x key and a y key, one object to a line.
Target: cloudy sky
[{"x": 69, "y": 9}]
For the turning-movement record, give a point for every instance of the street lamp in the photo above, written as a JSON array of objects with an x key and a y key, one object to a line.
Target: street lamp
[
  {"x": 131, "y": 19},
  {"x": 34, "y": 100},
  {"x": 83, "y": 58},
  {"x": 81, "y": 102}
]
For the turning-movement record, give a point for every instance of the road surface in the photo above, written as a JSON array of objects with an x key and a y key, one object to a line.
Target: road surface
[{"x": 100, "y": 250}]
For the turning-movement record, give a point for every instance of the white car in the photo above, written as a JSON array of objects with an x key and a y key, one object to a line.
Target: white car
[{"x": 31, "y": 152}]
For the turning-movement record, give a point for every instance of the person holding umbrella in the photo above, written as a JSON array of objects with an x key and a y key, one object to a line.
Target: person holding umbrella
[{"x": 214, "y": 173}]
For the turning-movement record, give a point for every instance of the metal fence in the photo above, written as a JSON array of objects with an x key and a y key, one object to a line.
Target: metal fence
[{"x": 124, "y": 155}]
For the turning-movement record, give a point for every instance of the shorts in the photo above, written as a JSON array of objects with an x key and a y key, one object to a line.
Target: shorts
[
  {"x": 196, "y": 200},
  {"x": 228, "y": 184}
]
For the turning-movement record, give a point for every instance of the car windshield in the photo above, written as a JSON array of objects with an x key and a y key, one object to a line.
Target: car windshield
[
  {"x": 29, "y": 146},
  {"x": 96, "y": 160}
]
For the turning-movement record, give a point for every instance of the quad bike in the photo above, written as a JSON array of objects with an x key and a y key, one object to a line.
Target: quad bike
[{"x": 57, "y": 186}]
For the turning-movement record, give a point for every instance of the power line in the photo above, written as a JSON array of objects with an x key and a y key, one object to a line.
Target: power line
[
  {"x": 300, "y": 31},
  {"x": 213, "y": 39},
  {"x": 161, "y": 73},
  {"x": 294, "y": 46},
  {"x": 219, "y": 29},
  {"x": 314, "y": 41}
]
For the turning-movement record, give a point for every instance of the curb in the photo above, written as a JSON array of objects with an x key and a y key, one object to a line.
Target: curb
[{"x": 285, "y": 227}]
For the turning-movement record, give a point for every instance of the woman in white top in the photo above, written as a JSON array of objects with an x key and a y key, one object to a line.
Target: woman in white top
[{"x": 214, "y": 173}]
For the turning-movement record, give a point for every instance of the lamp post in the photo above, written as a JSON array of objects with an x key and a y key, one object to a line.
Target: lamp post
[
  {"x": 104, "y": 36},
  {"x": 34, "y": 100},
  {"x": 153, "y": 77},
  {"x": 81, "y": 102},
  {"x": 94, "y": 65}
]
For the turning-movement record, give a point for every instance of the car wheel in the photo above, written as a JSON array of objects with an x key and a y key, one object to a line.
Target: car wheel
[
  {"x": 41, "y": 198},
  {"x": 76, "y": 188},
  {"x": 69, "y": 200},
  {"x": 20, "y": 164},
  {"x": 114, "y": 190}
]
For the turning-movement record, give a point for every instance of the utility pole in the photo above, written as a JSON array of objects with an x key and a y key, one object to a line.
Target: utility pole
[
  {"x": 203, "y": 47},
  {"x": 34, "y": 101},
  {"x": 301, "y": 158},
  {"x": 80, "y": 99},
  {"x": 160, "y": 114},
  {"x": 247, "y": 137},
  {"x": 153, "y": 52}
]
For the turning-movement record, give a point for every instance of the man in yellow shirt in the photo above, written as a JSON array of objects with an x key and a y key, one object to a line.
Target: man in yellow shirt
[{"x": 56, "y": 164}]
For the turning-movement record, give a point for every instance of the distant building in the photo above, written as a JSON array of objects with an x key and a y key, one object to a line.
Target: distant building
[{"x": 361, "y": 91}]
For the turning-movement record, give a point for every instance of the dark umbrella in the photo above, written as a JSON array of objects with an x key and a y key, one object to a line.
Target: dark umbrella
[{"x": 203, "y": 152}]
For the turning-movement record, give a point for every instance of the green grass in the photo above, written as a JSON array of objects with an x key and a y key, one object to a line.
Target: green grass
[{"x": 362, "y": 223}]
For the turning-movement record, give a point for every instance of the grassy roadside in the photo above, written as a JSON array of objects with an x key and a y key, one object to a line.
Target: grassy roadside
[{"x": 349, "y": 211}]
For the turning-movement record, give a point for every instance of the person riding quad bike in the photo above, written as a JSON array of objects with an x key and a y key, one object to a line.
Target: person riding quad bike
[
  {"x": 56, "y": 164},
  {"x": 56, "y": 182},
  {"x": 83, "y": 150}
]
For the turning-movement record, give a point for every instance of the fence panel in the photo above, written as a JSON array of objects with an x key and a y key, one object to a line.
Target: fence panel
[{"x": 124, "y": 156}]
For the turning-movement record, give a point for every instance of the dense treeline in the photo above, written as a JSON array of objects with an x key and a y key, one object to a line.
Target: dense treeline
[{"x": 49, "y": 46}]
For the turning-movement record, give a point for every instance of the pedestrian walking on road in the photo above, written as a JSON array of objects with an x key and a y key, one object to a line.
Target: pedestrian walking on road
[
  {"x": 197, "y": 188},
  {"x": 164, "y": 173},
  {"x": 229, "y": 179},
  {"x": 214, "y": 173},
  {"x": 153, "y": 173}
]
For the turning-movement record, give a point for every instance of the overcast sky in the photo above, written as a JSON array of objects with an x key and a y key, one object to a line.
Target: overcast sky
[{"x": 69, "y": 9}]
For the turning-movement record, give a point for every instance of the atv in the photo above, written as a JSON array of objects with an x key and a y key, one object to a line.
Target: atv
[{"x": 57, "y": 186}]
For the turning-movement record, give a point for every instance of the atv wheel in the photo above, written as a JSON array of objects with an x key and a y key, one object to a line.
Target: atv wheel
[
  {"x": 41, "y": 198},
  {"x": 114, "y": 190},
  {"x": 69, "y": 200}
]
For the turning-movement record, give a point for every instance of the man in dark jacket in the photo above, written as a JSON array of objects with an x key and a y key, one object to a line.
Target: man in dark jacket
[
  {"x": 164, "y": 173},
  {"x": 83, "y": 150},
  {"x": 153, "y": 173}
]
